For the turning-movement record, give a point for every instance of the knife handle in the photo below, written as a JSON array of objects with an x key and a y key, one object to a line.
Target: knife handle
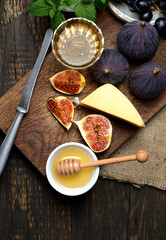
[
  {"x": 24, "y": 102},
  {"x": 9, "y": 140}
]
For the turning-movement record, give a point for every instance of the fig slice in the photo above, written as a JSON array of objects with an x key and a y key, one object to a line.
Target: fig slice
[
  {"x": 96, "y": 130},
  {"x": 68, "y": 82},
  {"x": 62, "y": 109}
]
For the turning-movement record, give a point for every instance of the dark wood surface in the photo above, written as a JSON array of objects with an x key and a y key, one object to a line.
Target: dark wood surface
[{"x": 29, "y": 207}]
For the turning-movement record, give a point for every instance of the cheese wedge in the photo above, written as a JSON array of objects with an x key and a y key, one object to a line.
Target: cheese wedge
[{"x": 111, "y": 100}]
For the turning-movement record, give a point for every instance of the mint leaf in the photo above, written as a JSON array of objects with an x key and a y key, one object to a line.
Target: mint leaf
[
  {"x": 87, "y": 1},
  {"x": 51, "y": 13},
  {"x": 55, "y": 1},
  {"x": 71, "y": 2},
  {"x": 85, "y": 10},
  {"x": 39, "y": 8},
  {"x": 57, "y": 19},
  {"x": 103, "y": 1},
  {"x": 63, "y": 6},
  {"x": 99, "y": 5},
  {"x": 49, "y": 2}
]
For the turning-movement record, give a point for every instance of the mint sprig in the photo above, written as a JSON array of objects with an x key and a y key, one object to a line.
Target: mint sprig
[
  {"x": 39, "y": 8},
  {"x": 85, "y": 10},
  {"x": 54, "y": 9},
  {"x": 57, "y": 19}
]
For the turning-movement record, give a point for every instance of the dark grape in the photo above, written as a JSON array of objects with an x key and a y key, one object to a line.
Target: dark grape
[
  {"x": 160, "y": 25},
  {"x": 143, "y": 5},
  {"x": 146, "y": 16},
  {"x": 133, "y": 5}
]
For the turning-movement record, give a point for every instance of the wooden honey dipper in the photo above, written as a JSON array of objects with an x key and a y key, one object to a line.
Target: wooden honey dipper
[{"x": 72, "y": 166}]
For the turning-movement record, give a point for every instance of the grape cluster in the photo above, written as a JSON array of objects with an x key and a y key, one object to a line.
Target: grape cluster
[{"x": 145, "y": 9}]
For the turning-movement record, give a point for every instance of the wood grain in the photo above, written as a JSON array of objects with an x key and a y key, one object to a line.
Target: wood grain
[
  {"x": 40, "y": 133},
  {"x": 29, "y": 207}
]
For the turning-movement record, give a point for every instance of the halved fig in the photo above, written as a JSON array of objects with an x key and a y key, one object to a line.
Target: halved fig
[
  {"x": 96, "y": 130},
  {"x": 69, "y": 82},
  {"x": 62, "y": 109}
]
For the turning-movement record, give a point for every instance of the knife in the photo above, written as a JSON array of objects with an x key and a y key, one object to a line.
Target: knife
[{"x": 24, "y": 103}]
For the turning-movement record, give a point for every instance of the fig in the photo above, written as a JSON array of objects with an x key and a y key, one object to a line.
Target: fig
[
  {"x": 112, "y": 67},
  {"x": 138, "y": 40},
  {"x": 96, "y": 130},
  {"x": 148, "y": 80},
  {"x": 68, "y": 82},
  {"x": 62, "y": 109}
]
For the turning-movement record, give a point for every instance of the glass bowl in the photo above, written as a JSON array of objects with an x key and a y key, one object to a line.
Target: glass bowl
[{"x": 77, "y": 43}]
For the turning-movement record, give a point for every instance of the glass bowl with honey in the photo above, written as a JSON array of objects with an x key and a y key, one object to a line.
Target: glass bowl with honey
[
  {"x": 76, "y": 184},
  {"x": 77, "y": 43}
]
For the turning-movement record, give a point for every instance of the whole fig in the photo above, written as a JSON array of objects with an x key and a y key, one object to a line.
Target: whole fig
[
  {"x": 138, "y": 40},
  {"x": 148, "y": 80},
  {"x": 112, "y": 67}
]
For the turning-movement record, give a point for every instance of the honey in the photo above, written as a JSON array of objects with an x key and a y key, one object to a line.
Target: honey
[
  {"x": 77, "y": 44},
  {"x": 78, "y": 180}
]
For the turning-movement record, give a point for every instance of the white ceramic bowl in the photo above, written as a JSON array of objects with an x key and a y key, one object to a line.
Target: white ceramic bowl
[{"x": 65, "y": 190}]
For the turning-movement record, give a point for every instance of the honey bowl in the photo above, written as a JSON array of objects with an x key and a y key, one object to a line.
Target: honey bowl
[
  {"x": 76, "y": 184},
  {"x": 77, "y": 43}
]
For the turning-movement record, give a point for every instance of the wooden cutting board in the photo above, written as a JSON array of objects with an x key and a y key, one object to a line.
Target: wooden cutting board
[{"x": 40, "y": 133}]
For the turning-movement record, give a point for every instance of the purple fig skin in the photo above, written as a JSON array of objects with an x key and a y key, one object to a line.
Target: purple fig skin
[
  {"x": 138, "y": 40},
  {"x": 112, "y": 67},
  {"x": 148, "y": 80}
]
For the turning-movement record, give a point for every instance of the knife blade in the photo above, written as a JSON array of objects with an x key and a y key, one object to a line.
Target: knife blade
[{"x": 24, "y": 103}]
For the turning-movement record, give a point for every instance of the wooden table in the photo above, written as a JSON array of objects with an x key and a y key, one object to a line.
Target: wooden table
[{"x": 29, "y": 207}]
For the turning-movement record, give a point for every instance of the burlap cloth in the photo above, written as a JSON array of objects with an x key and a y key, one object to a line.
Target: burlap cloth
[{"x": 151, "y": 138}]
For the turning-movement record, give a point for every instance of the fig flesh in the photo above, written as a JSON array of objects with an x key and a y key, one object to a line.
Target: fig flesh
[
  {"x": 138, "y": 40},
  {"x": 96, "y": 130},
  {"x": 112, "y": 67},
  {"x": 148, "y": 80},
  {"x": 62, "y": 109},
  {"x": 68, "y": 82}
]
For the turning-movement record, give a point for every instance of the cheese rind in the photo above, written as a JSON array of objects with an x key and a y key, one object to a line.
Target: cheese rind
[{"x": 111, "y": 100}]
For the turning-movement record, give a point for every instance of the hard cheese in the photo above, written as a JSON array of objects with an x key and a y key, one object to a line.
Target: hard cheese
[{"x": 111, "y": 100}]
